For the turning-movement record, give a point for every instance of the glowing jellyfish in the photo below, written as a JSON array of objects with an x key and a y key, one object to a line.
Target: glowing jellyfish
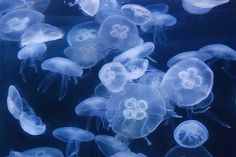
[
  {"x": 113, "y": 76},
  {"x": 128, "y": 154},
  {"x": 118, "y": 32},
  {"x": 160, "y": 8},
  {"x": 40, "y": 33},
  {"x": 63, "y": 67},
  {"x": 15, "y": 22},
  {"x": 136, "y": 111},
  {"x": 188, "y": 82},
  {"x": 101, "y": 91},
  {"x": 29, "y": 55},
  {"x": 82, "y": 32},
  {"x": 136, "y": 13},
  {"x": 89, "y": 7},
  {"x": 191, "y": 134},
  {"x": 201, "y": 6},
  {"x": 109, "y": 145}
]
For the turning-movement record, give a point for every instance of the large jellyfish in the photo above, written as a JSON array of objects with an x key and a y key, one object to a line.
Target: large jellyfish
[
  {"x": 136, "y": 13},
  {"x": 191, "y": 134},
  {"x": 89, "y": 7},
  {"x": 40, "y": 33},
  {"x": 65, "y": 68},
  {"x": 118, "y": 32},
  {"x": 201, "y": 6},
  {"x": 15, "y": 22},
  {"x": 136, "y": 111},
  {"x": 188, "y": 82},
  {"x": 128, "y": 154},
  {"x": 29, "y": 55}
]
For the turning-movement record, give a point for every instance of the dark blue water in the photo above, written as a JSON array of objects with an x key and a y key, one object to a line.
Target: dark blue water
[{"x": 190, "y": 33}]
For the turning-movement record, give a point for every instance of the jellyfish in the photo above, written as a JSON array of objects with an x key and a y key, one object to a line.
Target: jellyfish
[
  {"x": 6, "y": 6},
  {"x": 201, "y": 6},
  {"x": 40, "y": 33},
  {"x": 82, "y": 32},
  {"x": 113, "y": 76},
  {"x": 89, "y": 7},
  {"x": 14, "y": 23},
  {"x": 109, "y": 145},
  {"x": 188, "y": 82},
  {"x": 191, "y": 134},
  {"x": 63, "y": 67},
  {"x": 101, "y": 91},
  {"x": 136, "y": 13},
  {"x": 160, "y": 8},
  {"x": 29, "y": 55},
  {"x": 128, "y": 154},
  {"x": 136, "y": 111},
  {"x": 117, "y": 32},
  {"x": 39, "y": 5}
]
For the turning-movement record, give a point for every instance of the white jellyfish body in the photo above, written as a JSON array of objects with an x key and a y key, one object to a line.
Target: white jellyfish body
[
  {"x": 14, "y": 23},
  {"x": 40, "y": 33},
  {"x": 191, "y": 134},
  {"x": 188, "y": 82},
  {"x": 89, "y": 7}
]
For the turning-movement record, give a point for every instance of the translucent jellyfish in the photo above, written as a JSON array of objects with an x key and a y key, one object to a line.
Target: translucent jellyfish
[
  {"x": 136, "y": 13},
  {"x": 201, "y": 6},
  {"x": 63, "y": 67},
  {"x": 15, "y": 22},
  {"x": 101, "y": 91},
  {"x": 191, "y": 134},
  {"x": 136, "y": 111},
  {"x": 29, "y": 55},
  {"x": 188, "y": 82},
  {"x": 160, "y": 8},
  {"x": 89, "y": 7},
  {"x": 40, "y": 33},
  {"x": 113, "y": 76},
  {"x": 128, "y": 154},
  {"x": 118, "y": 32},
  {"x": 39, "y": 5},
  {"x": 109, "y": 145},
  {"x": 179, "y": 151},
  {"x": 82, "y": 32},
  {"x": 6, "y": 6}
]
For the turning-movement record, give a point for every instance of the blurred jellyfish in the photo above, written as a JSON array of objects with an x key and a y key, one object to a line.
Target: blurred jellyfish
[
  {"x": 191, "y": 134},
  {"x": 15, "y": 154},
  {"x": 128, "y": 154},
  {"x": 89, "y": 7},
  {"x": 82, "y": 32},
  {"x": 188, "y": 82},
  {"x": 136, "y": 13},
  {"x": 63, "y": 67},
  {"x": 6, "y": 6},
  {"x": 160, "y": 8},
  {"x": 117, "y": 32},
  {"x": 101, "y": 91},
  {"x": 136, "y": 111},
  {"x": 15, "y": 22},
  {"x": 201, "y": 6},
  {"x": 29, "y": 55},
  {"x": 40, "y": 33},
  {"x": 113, "y": 76}
]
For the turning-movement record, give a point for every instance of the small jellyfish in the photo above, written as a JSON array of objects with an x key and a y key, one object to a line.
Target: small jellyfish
[
  {"x": 191, "y": 134},
  {"x": 63, "y": 67},
  {"x": 29, "y": 55},
  {"x": 89, "y": 7},
  {"x": 128, "y": 154},
  {"x": 136, "y": 111},
  {"x": 188, "y": 82},
  {"x": 14, "y": 23},
  {"x": 113, "y": 76},
  {"x": 82, "y": 32},
  {"x": 101, "y": 91},
  {"x": 43, "y": 152},
  {"x": 136, "y": 13},
  {"x": 117, "y": 32},
  {"x": 40, "y": 33}
]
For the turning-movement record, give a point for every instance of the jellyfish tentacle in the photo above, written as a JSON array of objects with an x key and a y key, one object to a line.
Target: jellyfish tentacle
[
  {"x": 47, "y": 81},
  {"x": 72, "y": 149},
  {"x": 63, "y": 87},
  {"x": 22, "y": 67},
  {"x": 215, "y": 118}
]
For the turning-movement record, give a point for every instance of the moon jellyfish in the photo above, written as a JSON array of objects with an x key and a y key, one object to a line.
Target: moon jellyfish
[
  {"x": 113, "y": 76},
  {"x": 136, "y": 13},
  {"x": 160, "y": 8},
  {"x": 136, "y": 111},
  {"x": 29, "y": 55},
  {"x": 82, "y": 32},
  {"x": 40, "y": 33},
  {"x": 63, "y": 67},
  {"x": 15, "y": 22},
  {"x": 89, "y": 7},
  {"x": 118, "y": 32},
  {"x": 201, "y": 6},
  {"x": 101, "y": 91},
  {"x": 128, "y": 154},
  {"x": 188, "y": 82},
  {"x": 109, "y": 145}
]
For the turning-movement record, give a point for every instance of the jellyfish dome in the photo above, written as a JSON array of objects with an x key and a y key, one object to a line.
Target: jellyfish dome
[
  {"x": 127, "y": 154},
  {"x": 89, "y": 7},
  {"x": 118, "y": 32},
  {"x": 160, "y": 8},
  {"x": 43, "y": 152},
  {"x": 188, "y": 82},
  {"x": 14, "y": 23},
  {"x": 6, "y": 6},
  {"x": 136, "y": 111},
  {"x": 191, "y": 134}
]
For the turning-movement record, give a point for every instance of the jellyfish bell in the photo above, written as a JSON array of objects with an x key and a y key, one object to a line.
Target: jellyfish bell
[
  {"x": 160, "y": 8},
  {"x": 43, "y": 151},
  {"x": 6, "y": 6},
  {"x": 89, "y": 7},
  {"x": 128, "y": 154}
]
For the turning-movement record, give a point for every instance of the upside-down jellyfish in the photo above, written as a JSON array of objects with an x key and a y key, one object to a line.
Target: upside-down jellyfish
[{"x": 89, "y": 7}]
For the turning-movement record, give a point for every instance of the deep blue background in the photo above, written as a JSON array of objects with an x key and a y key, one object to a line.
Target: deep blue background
[{"x": 190, "y": 33}]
